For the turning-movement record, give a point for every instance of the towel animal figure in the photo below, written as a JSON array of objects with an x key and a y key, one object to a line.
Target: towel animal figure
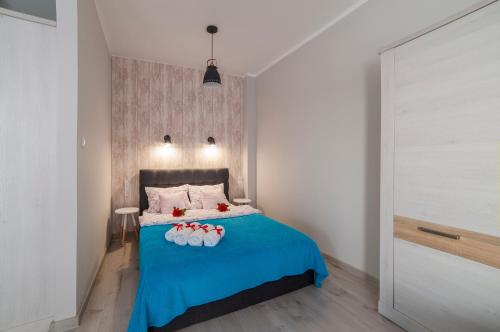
[
  {"x": 196, "y": 238},
  {"x": 212, "y": 238},
  {"x": 170, "y": 234},
  {"x": 181, "y": 237}
]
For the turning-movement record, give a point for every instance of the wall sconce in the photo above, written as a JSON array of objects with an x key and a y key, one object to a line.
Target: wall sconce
[
  {"x": 167, "y": 140},
  {"x": 211, "y": 149},
  {"x": 165, "y": 150}
]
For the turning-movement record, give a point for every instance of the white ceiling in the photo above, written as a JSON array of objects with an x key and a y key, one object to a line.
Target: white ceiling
[{"x": 253, "y": 34}]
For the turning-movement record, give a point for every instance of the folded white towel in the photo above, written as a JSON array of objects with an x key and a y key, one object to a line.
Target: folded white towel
[
  {"x": 194, "y": 226},
  {"x": 212, "y": 238},
  {"x": 181, "y": 237},
  {"x": 170, "y": 234},
  {"x": 196, "y": 238}
]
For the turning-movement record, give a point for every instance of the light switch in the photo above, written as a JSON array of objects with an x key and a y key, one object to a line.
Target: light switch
[{"x": 84, "y": 142}]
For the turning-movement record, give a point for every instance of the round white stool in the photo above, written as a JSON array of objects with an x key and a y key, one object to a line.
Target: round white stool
[
  {"x": 242, "y": 201},
  {"x": 125, "y": 212}
]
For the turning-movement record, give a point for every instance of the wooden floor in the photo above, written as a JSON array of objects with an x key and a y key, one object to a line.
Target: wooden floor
[{"x": 346, "y": 302}]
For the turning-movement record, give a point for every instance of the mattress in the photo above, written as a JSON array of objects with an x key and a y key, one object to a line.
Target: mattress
[
  {"x": 255, "y": 250},
  {"x": 199, "y": 215}
]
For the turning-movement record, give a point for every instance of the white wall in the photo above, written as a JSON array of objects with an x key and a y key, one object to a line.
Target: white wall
[
  {"x": 249, "y": 141},
  {"x": 64, "y": 231},
  {"x": 94, "y": 160},
  {"x": 318, "y": 128}
]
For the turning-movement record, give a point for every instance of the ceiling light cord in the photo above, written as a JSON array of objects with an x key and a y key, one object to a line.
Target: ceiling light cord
[{"x": 212, "y": 52}]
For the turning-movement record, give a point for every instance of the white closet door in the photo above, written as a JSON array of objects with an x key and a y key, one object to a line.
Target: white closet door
[
  {"x": 447, "y": 130},
  {"x": 447, "y": 169},
  {"x": 445, "y": 292},
  {"x": 27, "y": 172}
]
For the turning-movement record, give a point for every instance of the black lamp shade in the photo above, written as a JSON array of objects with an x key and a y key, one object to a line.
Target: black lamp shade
[{"x": 212, "y": 77}]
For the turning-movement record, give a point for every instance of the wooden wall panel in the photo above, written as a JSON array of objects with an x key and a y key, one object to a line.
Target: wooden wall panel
[{"x": 151, "y": 100}]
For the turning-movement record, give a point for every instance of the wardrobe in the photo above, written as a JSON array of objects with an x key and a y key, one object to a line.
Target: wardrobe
[
  {"x": 28, "y": 171},
  {"x": 440, "y": 176}
]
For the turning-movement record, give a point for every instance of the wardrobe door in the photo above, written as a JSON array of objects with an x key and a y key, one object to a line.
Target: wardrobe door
[
  {"x": 28, "y": 119},
  {"x": 446, "y": 175},
  {"x": 445, "y": 292}
]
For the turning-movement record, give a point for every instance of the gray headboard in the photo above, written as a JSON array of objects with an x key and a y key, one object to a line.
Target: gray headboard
[{"x": 175, "y": 177}]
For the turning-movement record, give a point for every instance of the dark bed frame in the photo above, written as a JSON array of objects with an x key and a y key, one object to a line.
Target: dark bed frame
[{"x": 243, "y": 299}]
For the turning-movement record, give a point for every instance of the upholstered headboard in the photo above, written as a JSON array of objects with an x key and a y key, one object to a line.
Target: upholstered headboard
[{"x": 175, "y": 177}]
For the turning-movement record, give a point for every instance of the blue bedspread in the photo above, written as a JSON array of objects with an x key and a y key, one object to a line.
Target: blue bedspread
[{"x": 255, "y": 250}]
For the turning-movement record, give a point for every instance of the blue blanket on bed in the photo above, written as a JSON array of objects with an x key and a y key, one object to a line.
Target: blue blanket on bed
[{"x": 255, "y": 250}]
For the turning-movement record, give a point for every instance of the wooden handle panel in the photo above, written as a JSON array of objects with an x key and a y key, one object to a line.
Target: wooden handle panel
[{"x": 478, "y": 247}]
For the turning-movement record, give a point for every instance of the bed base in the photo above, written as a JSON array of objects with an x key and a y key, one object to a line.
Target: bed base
[{"x": 238, "y": 301}]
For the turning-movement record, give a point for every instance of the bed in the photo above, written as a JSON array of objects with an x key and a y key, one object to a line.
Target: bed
[{"x": 257, "y": 260}]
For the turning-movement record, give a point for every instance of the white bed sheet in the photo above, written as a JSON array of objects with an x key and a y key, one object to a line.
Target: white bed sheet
[{"x": 150, "y": 219}]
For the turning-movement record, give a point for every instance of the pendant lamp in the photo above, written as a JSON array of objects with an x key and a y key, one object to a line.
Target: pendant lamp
[{"x": 212, "y": 77}]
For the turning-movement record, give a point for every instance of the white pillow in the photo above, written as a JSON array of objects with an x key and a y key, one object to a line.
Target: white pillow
[
  {"x": 210, "y": 198},
  {"x": 195, "y": 194},
  {"x": 169, "y": 200},
  {"x": 153, "y": 194}
]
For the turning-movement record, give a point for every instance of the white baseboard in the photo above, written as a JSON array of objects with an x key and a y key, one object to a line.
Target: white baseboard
[
  {"x": 41, "y": 325},
  {"x": 64, "y": 324},
  {"x": 351, "y": 269},
  {"x": 89, "y": 290},
  {"x": 73, "y": 322}
]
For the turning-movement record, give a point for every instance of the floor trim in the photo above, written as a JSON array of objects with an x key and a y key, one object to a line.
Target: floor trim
[
  {"x": 351, "y": 269},
  {"x": 91, "y": 288},
  {"x": 73, "y": 322},
  {"x": 38, "y": 325},
  {"x": 64, "y": 324}
]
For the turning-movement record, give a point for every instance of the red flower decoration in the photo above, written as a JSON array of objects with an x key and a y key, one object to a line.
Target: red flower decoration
[
  {"x": 176, "y": 212},
  {"x": 222, "y": 207}
]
